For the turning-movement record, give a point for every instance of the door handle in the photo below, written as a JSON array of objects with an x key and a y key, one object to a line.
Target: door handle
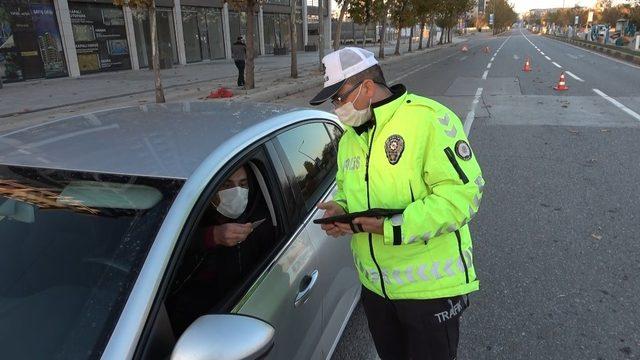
[{"x": 308, "y": 282}]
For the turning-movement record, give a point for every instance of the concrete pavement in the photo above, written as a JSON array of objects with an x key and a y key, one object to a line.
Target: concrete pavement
[{"x": 38, "y": 95}]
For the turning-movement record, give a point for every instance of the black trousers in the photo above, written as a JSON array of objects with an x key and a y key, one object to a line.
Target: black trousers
[
  {"x": 240, "y": 66},
  {"x": 414, "y": 329}
]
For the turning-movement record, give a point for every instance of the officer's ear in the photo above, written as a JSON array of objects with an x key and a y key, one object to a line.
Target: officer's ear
[{"x": 368, "y": 88}]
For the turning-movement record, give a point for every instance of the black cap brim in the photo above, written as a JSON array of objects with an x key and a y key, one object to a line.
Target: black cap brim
[{"x": 326, "y": 93}]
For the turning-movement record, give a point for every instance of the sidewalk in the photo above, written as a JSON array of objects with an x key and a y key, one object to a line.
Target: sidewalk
[{"x": 194, "y": 80}]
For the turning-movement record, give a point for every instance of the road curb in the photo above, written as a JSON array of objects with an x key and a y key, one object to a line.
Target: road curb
[{"x": 635, "y": 59}]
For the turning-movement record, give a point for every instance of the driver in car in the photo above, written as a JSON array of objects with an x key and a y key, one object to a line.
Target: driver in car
[{"x": 234, "y": 236}]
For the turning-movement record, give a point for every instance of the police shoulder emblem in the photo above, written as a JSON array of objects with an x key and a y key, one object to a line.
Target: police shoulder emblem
[
  {"x": 393, "y": 147},
  {"x": 463, "y": 150}
]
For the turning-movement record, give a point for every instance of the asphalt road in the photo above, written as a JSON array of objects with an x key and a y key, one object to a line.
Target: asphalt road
[{"x": 556, "y": 239}]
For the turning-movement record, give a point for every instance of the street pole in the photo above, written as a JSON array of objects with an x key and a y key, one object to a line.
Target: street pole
[{"x": 320, "y": 33}]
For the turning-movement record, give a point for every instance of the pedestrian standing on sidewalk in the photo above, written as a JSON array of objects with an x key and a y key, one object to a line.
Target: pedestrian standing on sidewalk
[
  {"x": 403, "y": 151},
  {"x": 239, "y": 55}
]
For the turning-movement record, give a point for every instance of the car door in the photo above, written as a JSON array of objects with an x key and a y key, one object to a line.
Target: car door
[
  {"x": 309, "y": 154},
  {"x": 280, "y": 291},
  {"x": 285, "y": 296}
]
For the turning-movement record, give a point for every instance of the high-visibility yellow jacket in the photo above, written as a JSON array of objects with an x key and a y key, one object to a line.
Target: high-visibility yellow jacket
[{"x": 415, "y": 157}]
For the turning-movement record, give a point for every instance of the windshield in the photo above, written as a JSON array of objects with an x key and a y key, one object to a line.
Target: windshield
[{"x": 71, "y": 247}]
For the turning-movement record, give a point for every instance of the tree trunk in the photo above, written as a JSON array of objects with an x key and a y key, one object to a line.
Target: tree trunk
[
  {"x": 293, "y": 31},
  {"x": 364, "y": 35},
  {"x": 441, "y": 37},
  {"x": 321, "y": 33},
  {"x": 155, "y": 57},
  {"x": 383, "y": 35},
  {"x": 249, "y": 69},
  {"x": 338, "y": 34},
  {"x": 411, "y": 38},
  {"x": 421, "y": 35},
  {"x": 432, "y": 34},
  {"x": 397, "y": 52}
]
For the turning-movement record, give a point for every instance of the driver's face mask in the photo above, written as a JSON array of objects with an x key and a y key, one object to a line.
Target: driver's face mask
[{"x": 233, "y": 201}]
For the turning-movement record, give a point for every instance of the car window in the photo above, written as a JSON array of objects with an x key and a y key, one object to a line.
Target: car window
[
  {"x": 311, "y": 153},
  {"x": 71, "y": 247},
  {"x": 234, "y": 239}
]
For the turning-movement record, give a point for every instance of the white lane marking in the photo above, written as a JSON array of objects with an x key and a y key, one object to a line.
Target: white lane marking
[
  {"x": 596, "y": 53},
  {"x": 493, "y": 58},
  {"x": 516, "y": 57},
  {"x": 548, "y": 58},
  {"x": 556, "y": 64},
  {"x": 573, "y": 76},
  {"x": 484, "y": 76},
  {"x": 489, "y": 66},
  {"x": 617, "y": 104},
  {"x": 572, "y": 56},
  {"x": 541, "y": 53},
  {"x": 472, "y": 113},
  {"x": 463, "y": 58}
]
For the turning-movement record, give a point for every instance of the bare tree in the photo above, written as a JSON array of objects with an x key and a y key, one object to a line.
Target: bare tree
[
  {"x": 343, "y": 12},
  {"x": 293, "y": 31},
  {"x": 401, "y": 16},
  {"x": 382, "y": 12},
  {"x": 362, "y": 12},
  {"x": 321, "y": 32},
  {"x": 150, "y": 6}
]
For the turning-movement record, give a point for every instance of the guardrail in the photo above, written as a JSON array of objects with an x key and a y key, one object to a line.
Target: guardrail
[{"x": 615, "y": 51}]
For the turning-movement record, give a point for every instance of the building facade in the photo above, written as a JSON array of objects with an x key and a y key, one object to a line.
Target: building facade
[{"x": 58, "y": 38}]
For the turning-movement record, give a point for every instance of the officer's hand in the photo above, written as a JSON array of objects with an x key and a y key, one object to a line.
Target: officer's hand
[
  {"x": 231, "y": 234},
  {"x": 331, "y": 208},
  {"x": 371, "y": 225}
]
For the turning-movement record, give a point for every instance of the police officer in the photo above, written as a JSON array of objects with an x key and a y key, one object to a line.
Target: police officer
[{"x": 403, "y": 151}]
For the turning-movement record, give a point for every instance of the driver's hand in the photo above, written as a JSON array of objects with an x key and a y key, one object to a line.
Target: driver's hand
[
  {"x": 231, "y": 234},
  {"x": 331, "y": 208}
]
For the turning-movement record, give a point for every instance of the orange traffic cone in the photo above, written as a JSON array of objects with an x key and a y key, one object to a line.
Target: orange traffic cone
[
  {"x": 561, "y": 84},
  {"x": 464, "y": 48},
  {"x": 527, "y": 66}
]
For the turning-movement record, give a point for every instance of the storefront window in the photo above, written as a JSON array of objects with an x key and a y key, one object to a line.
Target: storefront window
[
  {"x": 100, "y": 37},
  {"x": 203, "y": 34},
  {"x": 166, "y": 37},
  {"x": 238, "y": 27},
  {"x": 191, "y": 35},
  {"x": 30, "y": 43},
  {"x": 215, "y": 32},
  {"x": 276, "y": 32}
]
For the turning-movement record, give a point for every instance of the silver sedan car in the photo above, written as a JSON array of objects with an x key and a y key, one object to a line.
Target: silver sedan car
[{"x": 111, "y": 226}]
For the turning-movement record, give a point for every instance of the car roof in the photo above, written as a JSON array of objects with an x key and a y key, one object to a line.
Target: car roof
[{"x": 158, "y": 140}]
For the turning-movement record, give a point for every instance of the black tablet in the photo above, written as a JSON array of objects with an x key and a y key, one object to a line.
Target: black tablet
[{"x": 348, "y": 218}]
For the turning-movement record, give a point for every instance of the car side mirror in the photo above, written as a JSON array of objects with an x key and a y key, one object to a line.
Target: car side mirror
[{"x": 225, "y": 337}]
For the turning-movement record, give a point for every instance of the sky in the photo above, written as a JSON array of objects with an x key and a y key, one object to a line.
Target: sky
[{"x": 521, "y": 6}]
